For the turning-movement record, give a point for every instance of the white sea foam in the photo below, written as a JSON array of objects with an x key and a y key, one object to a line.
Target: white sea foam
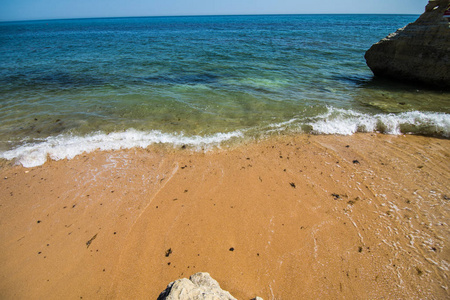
[
  {"x": 67, "y": 146},
  {"x": 334, "y": 121},
  {"x": 346, "y": 122}
]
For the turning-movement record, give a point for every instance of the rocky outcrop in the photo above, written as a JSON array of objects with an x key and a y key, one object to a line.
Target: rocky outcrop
[
  {"x": 200, "y": 286},
  {"x": 419, "y": 52}
]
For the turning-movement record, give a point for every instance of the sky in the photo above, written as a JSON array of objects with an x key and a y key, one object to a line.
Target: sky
[{"x": 15, "y": 10}]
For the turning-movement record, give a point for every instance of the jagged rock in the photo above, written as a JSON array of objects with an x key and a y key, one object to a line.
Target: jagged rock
[
  {"x": 200, "y": 286},
  {"x": 419, "y": 52}
]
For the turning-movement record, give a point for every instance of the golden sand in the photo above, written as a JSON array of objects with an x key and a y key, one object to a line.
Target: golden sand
[{"x": 302, "y": 217}]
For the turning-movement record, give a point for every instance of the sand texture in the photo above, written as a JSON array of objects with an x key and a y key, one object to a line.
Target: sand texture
[{"x": 299, "y": 217}]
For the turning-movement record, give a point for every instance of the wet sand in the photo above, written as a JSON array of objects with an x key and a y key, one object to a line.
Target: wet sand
[{"x": 299, "y": 217}]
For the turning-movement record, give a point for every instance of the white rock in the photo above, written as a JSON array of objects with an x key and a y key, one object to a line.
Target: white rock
[{"x": 200, "y": 286}]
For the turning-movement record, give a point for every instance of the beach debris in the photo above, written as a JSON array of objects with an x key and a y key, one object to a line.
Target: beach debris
[
  {"x": 355, "y": 161},
  {"x": 198, "y": 286},
  {"x": 351, "y": 202},
  {"x": 292, "y": 184},
  {"x": 337, "y": 196},
  {"x": 419, "y": 271},
  {"x": 88, "y": 243},
  {"x": 231, "y": 249},
  {"x": 168, "y": 252}
]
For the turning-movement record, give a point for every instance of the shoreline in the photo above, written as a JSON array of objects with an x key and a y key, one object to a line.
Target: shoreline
[
  {"x": 298, "y": 216},
  {"x": 34, "y": 151}
]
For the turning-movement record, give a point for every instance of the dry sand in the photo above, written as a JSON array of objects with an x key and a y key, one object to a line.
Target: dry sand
[{"x": 300, "y": 217}]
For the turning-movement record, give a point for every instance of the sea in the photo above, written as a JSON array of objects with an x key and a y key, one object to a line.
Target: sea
[{"x": 81, "y": 85}]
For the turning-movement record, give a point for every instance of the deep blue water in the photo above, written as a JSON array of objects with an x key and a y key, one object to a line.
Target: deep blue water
[{"x": 77, "y": 85}]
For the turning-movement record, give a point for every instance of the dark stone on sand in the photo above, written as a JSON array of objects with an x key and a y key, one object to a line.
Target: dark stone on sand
[{"x": 336, "y": 196}]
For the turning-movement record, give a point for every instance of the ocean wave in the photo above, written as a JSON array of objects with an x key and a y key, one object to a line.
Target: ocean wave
[
  {"x": 347, "y": 122},
  {"x": 333, "y": 121},
  {"x": 68, "y": 146}
]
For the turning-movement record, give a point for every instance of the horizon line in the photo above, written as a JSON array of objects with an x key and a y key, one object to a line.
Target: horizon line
[{"x": 205, "y": 15}]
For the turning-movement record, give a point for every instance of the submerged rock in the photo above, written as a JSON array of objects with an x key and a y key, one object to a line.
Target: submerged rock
[{"x": 419, "y": 52}]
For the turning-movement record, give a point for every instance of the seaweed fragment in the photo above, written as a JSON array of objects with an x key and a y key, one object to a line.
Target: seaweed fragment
[{"x": 88, "y": 243}]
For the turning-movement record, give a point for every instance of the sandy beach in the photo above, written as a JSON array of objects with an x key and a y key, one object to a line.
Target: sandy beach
[{"x": 295, "y": 217}]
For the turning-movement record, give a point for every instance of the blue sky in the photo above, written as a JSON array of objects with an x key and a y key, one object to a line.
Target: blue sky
[{"x": 11, "y": 10}]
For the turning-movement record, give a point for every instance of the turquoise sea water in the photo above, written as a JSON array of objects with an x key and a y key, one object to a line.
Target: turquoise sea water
[{"x": 68, "y": 86}]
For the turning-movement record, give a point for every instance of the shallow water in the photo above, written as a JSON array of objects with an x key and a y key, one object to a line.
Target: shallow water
[{"x": 200, "y": 81}]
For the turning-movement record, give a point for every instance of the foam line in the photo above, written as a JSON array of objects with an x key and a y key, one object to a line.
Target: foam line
[
  {"x": 67, "y": 146},
  {"x": 334, "y": 121}
]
